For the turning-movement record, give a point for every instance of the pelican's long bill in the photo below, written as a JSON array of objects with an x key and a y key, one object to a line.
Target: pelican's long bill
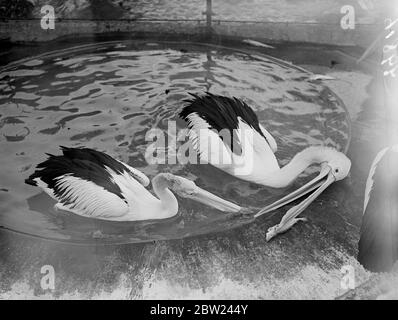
[
  {"x": 212, "y": 200},
  {"x": 319, "y": 184}
]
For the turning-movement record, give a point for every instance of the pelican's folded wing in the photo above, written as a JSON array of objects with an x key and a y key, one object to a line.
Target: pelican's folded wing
[
  {"x": 88, "y": 199},
  {"x": 106, "y": 161}
]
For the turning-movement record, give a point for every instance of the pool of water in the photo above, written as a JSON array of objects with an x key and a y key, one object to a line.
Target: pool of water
[{"x": 107, "y": 96}]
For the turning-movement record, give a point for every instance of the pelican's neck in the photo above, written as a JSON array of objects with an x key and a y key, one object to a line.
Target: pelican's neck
[
  {"x": 168, "y": 201},
  {"x": 302, "y": 160}
]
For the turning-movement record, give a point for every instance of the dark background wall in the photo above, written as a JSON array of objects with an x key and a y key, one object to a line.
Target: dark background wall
[{"x": 286, "y": 20}]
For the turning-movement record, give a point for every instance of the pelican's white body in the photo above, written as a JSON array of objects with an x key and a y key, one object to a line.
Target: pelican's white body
[
  {"x": 256, "y": 160},
  {"x": 94, "y": 185},
  {"x": 93, "y": 201}
]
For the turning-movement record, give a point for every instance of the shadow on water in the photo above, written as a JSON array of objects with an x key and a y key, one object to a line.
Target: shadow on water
[{"x": 107, "y": 96}]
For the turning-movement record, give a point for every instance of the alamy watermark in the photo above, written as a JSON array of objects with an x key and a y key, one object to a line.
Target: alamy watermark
[
  {"x": 347, "y": 281},
  {"x": 48, "y": 19},
  {"x": 347, "y": 22},
  {"x": 234, "y": 148},
  {"x": 390, "y": 63},
  {"x": 47, "y": 281}
]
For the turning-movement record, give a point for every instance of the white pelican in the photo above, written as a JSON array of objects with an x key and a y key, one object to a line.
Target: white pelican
[
  {"x": 378, "y": 244},
  {"x": 95, "y": 185},
  {"x": 247, "y": 142}
]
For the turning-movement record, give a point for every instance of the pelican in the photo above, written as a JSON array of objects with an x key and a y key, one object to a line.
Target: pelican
[
  {"x": 378, "y": 244},
  {"x": 227, "y": 128},
  {"x": 95, "y": 185}
]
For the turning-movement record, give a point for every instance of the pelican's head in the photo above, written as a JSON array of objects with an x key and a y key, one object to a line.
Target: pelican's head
[
  {"x": 188, "y": 189},
  {"x": 335, "y": 166},
  {"x": 339, "y": 166},
  {"x": 333, "y": 162}
]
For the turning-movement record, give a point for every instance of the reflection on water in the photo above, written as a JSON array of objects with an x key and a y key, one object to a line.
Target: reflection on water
[{"x": 108, "y": 96}]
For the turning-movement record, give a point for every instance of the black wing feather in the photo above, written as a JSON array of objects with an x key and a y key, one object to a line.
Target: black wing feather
[
  {"x": 83, "y": 163},
  {"x": 220, "y": 113}
]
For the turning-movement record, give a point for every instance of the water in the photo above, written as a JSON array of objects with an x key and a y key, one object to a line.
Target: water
[{"x": 107, "y": 96}]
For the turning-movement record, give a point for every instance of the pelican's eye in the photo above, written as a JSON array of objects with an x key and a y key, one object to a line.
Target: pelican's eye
[
  {"x": 189, "y": 191},
  {"x": 336, "y": 170}
]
